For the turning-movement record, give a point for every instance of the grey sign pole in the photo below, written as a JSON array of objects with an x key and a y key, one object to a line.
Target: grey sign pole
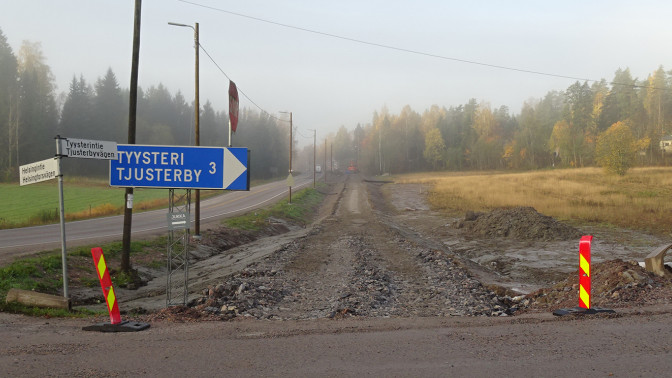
[
  {"x": 179, "y": 224},
  {"x": 64, "y": 252}
]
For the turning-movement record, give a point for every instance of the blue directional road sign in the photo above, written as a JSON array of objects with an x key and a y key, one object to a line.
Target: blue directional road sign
[{"x": 180, "y": 167}]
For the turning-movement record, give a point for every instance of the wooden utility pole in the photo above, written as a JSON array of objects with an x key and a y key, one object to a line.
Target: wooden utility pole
[
  {"x": 132, "y": 107},
  {"x": 197, "y": 112},
  {"x": 314, "y": 155},
  {"x": 290, "y": 153},
  {"x": 197, "y": 141}
]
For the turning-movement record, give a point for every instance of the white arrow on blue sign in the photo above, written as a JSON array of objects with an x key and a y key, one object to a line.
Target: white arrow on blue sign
[{"x": 180, "y": 167}]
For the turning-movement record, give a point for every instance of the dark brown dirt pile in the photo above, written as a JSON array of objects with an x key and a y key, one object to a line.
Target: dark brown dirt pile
[
  {"x": 177, "y": 314},
  {"x": 614, "y": 284},
  {"x": 224, "y": 238},
  {"x": 523, "y": 223}
]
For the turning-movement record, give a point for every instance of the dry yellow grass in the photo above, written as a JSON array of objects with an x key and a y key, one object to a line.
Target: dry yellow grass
[
  {"x": 108, "y": 209},
  {"x": 642, "y": 199},
  {"x": 98, "y": 211}
]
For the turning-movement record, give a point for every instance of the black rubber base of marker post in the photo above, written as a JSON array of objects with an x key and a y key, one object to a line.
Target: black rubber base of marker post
[
  {"x": 124, "y": 326},
  {"x": 582, "y": 311}
]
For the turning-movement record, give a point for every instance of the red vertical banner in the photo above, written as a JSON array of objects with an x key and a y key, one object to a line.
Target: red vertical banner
[
  {"x": 584, "y": 271},
  {"x": 233, "y": 105},
  {"x": 106, "y": 284}
]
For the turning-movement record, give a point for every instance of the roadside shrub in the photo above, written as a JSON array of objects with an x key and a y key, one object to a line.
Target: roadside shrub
[
  {"x": 616, "y": 149},
  {"x": 45, "y": 216}
]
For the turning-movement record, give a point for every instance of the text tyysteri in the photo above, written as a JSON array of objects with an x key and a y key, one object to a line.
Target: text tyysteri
[{"x": 159, "y": 166}]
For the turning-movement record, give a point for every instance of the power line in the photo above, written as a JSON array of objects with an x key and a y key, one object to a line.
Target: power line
[
  {"x": 239, "y": 90},
  {"x": 416, "y": 52},
  {"x": 301, "y": 134}
]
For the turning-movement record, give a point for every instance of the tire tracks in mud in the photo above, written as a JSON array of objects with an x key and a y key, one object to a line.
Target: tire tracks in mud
[{"x": 354, "y": 262}]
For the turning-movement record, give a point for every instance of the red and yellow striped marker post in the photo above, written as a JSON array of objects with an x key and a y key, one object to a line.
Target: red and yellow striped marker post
[
  {"x": 584, "y": 283},
  {"x": 106, "y": 285},
  {"x": 584, "y": 271}
]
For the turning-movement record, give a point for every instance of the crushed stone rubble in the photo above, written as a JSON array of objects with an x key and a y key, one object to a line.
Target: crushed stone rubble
[{"x": 267, "y": 290}]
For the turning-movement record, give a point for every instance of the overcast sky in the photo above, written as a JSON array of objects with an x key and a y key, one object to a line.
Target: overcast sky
[{"x": 328, "y": 82}]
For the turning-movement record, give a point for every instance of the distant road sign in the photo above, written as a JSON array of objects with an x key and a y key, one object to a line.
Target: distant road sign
[
  {"x": 39, "y": 171},
  {"x": 180, "y": 167},
  {"x": 88, "y": 149},
  {"x": 178, "y": 221}
]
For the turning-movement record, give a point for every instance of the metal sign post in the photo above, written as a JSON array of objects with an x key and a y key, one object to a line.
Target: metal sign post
[
  {"x": 177, "y": 285},
  {"x": 64, "y": 252}
]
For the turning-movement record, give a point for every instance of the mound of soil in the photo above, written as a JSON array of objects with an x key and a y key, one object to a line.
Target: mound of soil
[
  {"x": 614, "y": 284},
  {"x": 224, "y": 238},
  {"x": 177, "y": 314},
  {"x": 523, "y": 223}
]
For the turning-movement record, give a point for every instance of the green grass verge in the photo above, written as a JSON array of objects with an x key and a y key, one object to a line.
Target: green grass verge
[
  {"x": 44, "y": 274},
  {"x": 303, "y": 203}
]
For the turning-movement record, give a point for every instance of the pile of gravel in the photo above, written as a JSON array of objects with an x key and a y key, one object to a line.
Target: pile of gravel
[{"x": 523, "y": 223}]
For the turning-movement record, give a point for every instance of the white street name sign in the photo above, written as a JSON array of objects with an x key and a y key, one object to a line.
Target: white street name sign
[
  {"x": 88, "y": 149},
  {"x": 39, "y": 171}
]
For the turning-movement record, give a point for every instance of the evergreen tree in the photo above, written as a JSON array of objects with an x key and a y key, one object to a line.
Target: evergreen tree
[
  {"x": 109, "y": 115},
  {"x": 8, "y": 110},
  {"x": 38, "y": 116}
]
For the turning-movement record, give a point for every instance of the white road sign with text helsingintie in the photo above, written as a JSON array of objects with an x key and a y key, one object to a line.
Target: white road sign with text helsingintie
[{"x": 39, "y": 171}]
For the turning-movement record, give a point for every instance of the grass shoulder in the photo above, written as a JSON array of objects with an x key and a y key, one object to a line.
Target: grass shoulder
[{"x": 299, "y": 211}]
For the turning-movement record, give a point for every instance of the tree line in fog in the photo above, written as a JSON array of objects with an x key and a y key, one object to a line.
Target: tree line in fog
[
  {"x": 561, "y": 129},
  {"x": 32, "y": 114}
]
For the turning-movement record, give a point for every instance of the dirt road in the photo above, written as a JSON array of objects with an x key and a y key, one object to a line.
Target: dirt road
[{"x": 366, "y": 290}]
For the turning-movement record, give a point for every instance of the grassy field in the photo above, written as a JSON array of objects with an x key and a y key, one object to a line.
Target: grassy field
[
  {"x": 642, "y": 199},
  {"x": 84, "y": 198}
]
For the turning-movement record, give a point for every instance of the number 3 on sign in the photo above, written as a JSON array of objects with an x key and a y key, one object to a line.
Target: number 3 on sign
[{"x": 213, "y": 168}]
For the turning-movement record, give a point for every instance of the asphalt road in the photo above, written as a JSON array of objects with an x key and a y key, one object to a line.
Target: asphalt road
[
  {"x": 28, "y": 240},
  {"x": 533, "y": 346}
]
